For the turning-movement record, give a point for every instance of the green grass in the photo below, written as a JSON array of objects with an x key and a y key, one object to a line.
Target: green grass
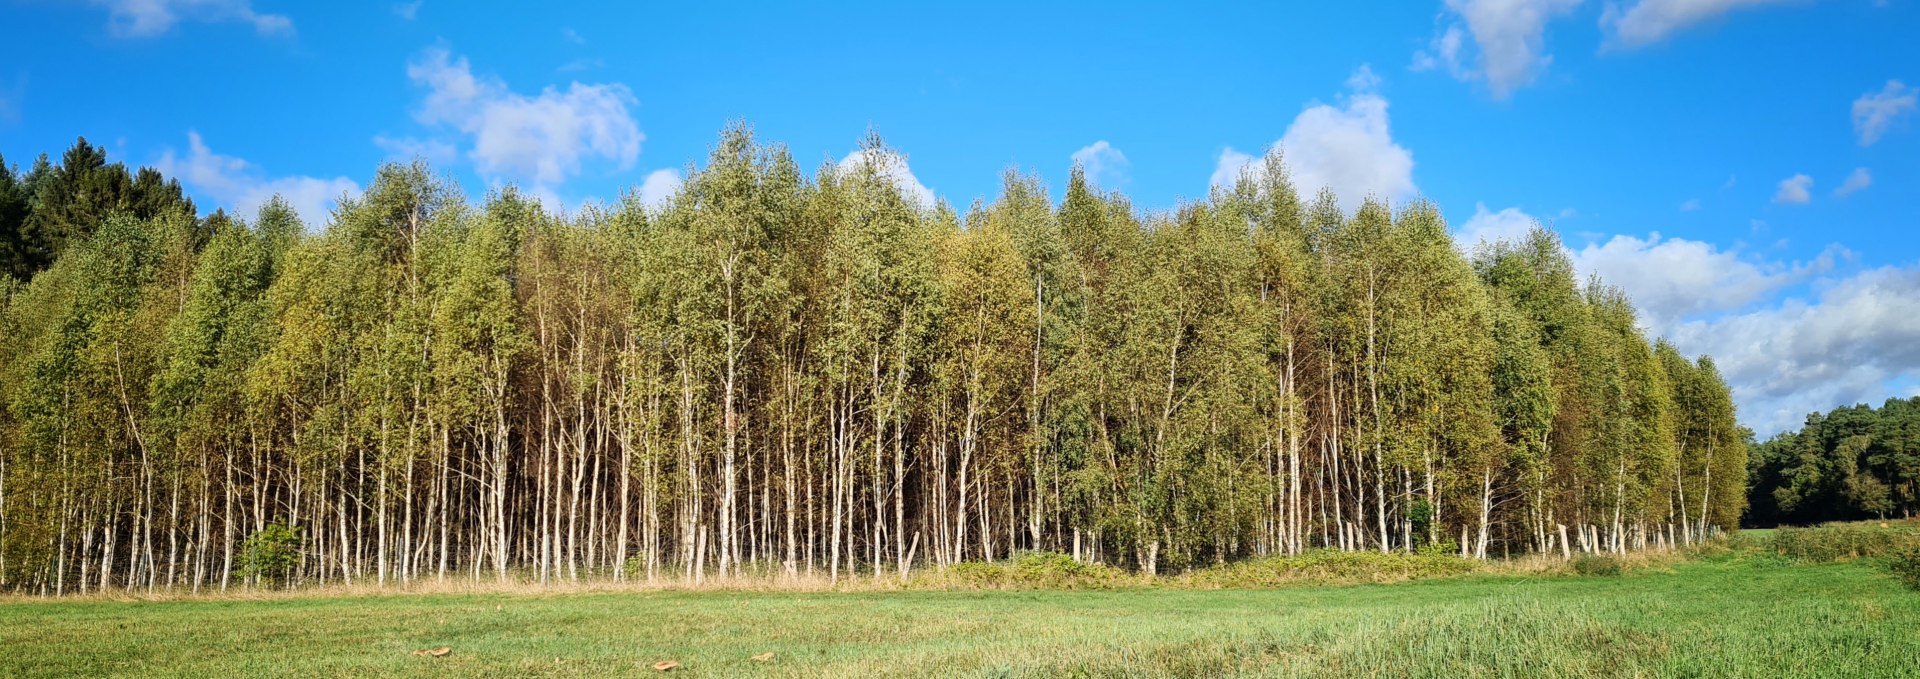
[{"x": 1734, "y": 616}]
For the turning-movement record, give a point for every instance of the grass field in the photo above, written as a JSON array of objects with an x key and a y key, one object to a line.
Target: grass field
[{"x": 1739, "y": 617}]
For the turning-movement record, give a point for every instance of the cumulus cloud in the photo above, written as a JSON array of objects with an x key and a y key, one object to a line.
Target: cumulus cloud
[
  {"x": 1795, "y": 190},
  {"x": 1485, "y": 228},
  {"x": 541, "y": 138},
  {"x": 1860, "y": 179},
  {"x": 1843, "y": 346},
  {"x": 659, "y": 187},
  {"x": 1348, "y": 148},
  {"x": 1649, "y": 21},
  {"x": 1228, "y": 168},
  {"x": 242, "y": 188},
  {"x": 1509, "y": 34},
  {"x": 1875, "y": 112},
  {"x": 1104, "y": 164},
  {"x": 893, "y": 167},
  {"x": 1783, "y": 357},
  {"x": 147, "y": 18},
  {"x": 1847, "y": 339},
  {"x": 1672, "y": 279}
]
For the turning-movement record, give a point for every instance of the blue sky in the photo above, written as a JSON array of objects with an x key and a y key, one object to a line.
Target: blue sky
[{"x": 1743, "y": 168}]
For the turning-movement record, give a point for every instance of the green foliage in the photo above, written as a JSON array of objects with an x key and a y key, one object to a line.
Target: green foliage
[
  {"x": 1032, "y": 570},
  {"x": 774, "y": 371},
  {"x": 1705, "y": 620},
  {"x": 1855, "y": 462},
  {"x": 271, "y": 554},
  {"x": 1904, "y": 563},
  {"x": 1325, "y": 566},
  {"x": 1598, "y": 565},
  {"x": 1842, "y": 542}
]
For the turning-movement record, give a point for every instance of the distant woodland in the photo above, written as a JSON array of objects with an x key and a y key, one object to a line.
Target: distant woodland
[
  {"x": 777, "y": 373},
  {"x": 1853, "y": 463}
]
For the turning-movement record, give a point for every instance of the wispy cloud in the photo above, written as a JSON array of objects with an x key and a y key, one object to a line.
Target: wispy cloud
[
  {"x": 1649, "y": 21},
  {"x": 241, "y": 187},
  {"x": 1874, "y": 113},
  {"x": 148, "y": 18},
  {"x": 1859, "y": 180}
]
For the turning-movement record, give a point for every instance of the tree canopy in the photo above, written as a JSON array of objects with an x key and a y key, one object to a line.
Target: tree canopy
[
  {"x": 775, "y": 372},
  {"x": 1854, "y": 462}
]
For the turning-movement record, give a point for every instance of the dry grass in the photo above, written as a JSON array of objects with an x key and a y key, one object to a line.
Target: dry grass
[{"x": 1355, "y": 568}]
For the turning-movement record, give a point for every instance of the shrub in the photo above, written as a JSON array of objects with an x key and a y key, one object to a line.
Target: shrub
[
  {"x": 1601, "y": 565},
  {"x": 1032, "y": 570},
  {"x": 1327, "y": 566},
  {"x": 1828, "y": 544},
  {"x": 271, "y": 554},
  {"x": 978, "y": 573},
  {"x": 1904, "y": 563}
]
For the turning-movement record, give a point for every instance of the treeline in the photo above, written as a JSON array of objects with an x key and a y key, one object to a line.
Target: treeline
[
  {"x": 48, "y": 206},
  {"x": 1852, "y": 463},
  {"x": 777, "y": 374}
]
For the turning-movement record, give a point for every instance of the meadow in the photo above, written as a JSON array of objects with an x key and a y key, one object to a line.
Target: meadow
[{"x": 1729, "y": 612}]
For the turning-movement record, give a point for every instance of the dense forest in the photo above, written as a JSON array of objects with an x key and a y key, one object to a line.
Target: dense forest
[
  {"x": 776, "y": 374},
  {"x": 1853, "y": 463}
]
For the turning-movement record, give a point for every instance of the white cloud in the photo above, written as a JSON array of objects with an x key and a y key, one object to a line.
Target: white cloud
[
  {"x": 1510, "y": 36},
  {"x": 147, "y": 18},
  {"x": 1650, "y": 21},
  {"x": 1104, "y": 165},
  {"x": 1347, "y": 148},
  {"x": 1691, "y": 205},
  {"x": 1844, "y": 346},
  {"x": 1875, "y": 112},
  {"x": 1445, "y": 48},
  {"x": 1795, "y": 190},
  {"x": 242, "y": 188},
  {"x": 408, "y": 10},
  {"x": 1229, "y": 167},
  {"x": 1860, "y": 179},
  {"x": 893, "y": 167},
  {"x": 572, "y": 36},
  {"x": 542, "y": 139},
  {"x": 1673, "y": 279},
  {"x": 406, "y": 149},
  {"x": 659, "y": 187},
  {"x": 1782, "y": 358},
  {"x": 1485, "y": 227},
  {"x": 1856, "y": 340}
]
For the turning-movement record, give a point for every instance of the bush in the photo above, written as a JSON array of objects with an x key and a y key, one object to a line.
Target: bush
[
  {"x": 271, "y": 555},
  {"x": 979, "y": 573},
  {"x": 1904, "y": 563},
  {"x": 1032, "y": 570},
  {"x": 1827, "y": 544},
  {"x": 1328, "y": 566},
  {"x": 1600, "y": 565}
]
